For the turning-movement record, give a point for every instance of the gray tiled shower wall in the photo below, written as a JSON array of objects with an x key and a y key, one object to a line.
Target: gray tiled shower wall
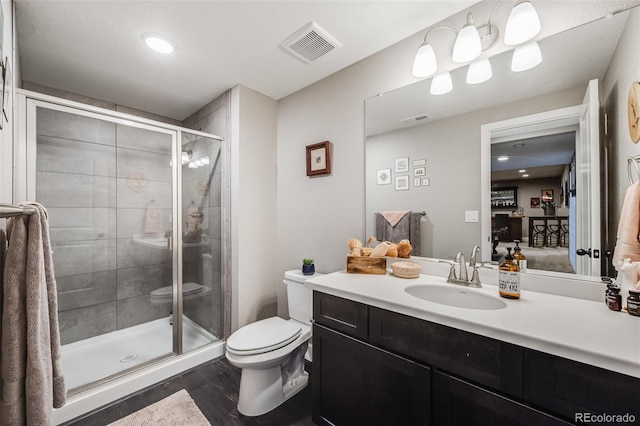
[{"x": 97, "y": 179}]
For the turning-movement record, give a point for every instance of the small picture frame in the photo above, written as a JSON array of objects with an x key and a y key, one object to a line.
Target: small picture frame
[
  {"x": 417, "y": 181},
  {"x": 417, "y": 163},
  {"x": 420, "y": 171},
  {"x": 402, "y": 183},
  {"x": 319, "y": 159},
  {"x": 535, "y": 202},
  {"x": 426, "y": 182},
  {"x": 547, "y": 195},
  {"x": 402, "y": 165},
  {"x": 383, "y": 177}
]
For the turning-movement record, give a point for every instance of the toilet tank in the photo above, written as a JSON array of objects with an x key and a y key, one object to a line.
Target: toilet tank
[{"x": 299, "y": 297}]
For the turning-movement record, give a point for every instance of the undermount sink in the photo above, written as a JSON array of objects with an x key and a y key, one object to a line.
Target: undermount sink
[{"x": 457, "y": 296}]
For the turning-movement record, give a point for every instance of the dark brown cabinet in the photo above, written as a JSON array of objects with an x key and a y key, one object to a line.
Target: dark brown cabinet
[
  {"x": 363, "y": 385},
  {"x": 373, "y": 366}
]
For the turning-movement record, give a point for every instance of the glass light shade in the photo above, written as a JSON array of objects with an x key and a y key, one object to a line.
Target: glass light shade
[
  {"x": 425, "y": 63},
  {"x": 479, "y": 71},
  {"x": 522, "y": 25},
  {"x": 468, "y": 45},
  {"x": 185, "y": 157},
  {"x": 526, "y": 57},
  {"x": 158, "y": 44},
  {"x": 441, "y": 84}
]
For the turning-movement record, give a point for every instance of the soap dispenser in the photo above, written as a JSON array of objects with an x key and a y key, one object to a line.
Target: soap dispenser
[
  {"x": 519, "y": 258},
  {"x": 509, "y": 277}
]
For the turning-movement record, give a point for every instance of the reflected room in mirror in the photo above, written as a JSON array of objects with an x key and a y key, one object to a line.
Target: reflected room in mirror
[{"x": 547, "y": 120}]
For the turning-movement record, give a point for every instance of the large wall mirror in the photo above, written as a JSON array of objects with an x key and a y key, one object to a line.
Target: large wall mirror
[{"x": 451, "y": 144}]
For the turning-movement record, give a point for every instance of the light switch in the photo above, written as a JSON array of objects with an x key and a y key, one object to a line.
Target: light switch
[{"x": 471, "y": 215}]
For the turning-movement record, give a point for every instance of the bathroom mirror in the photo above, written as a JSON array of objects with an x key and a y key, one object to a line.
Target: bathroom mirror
[{"x": 441, "y": 136}]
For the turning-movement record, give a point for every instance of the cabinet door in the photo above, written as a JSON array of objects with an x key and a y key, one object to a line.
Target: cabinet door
[
  {"x": 572, "y": 389},
  {"x": 479, "y": 359},
  {"x": 456, "y": 402},
  {"x": 357, "y": 384}
]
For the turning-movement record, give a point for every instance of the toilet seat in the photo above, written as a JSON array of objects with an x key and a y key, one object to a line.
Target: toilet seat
[{"x": 263, "y": 336}]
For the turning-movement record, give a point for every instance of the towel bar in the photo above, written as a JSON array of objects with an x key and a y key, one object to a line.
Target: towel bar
[{"x": 9, "y": 210}]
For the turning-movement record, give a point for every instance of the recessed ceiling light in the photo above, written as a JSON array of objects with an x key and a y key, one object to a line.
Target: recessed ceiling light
[
  {"x": 158, "y": 43},
  {"x": 503, "y": 158},
  {"x": 525, "y": 175},
  {"x": 521, "y": 171}
]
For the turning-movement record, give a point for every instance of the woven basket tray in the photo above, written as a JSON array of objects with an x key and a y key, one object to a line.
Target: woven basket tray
[{"x": 406, "y": 269}]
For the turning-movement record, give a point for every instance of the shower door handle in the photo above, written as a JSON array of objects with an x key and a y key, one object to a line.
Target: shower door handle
[{"x": 170, "y": 242}]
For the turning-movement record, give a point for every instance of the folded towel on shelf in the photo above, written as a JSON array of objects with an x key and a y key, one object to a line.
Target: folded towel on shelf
[
  {"x": 152, "y": 219},
  {"x": 628, "y": 236},
  {"x": 393, "y": 217}
]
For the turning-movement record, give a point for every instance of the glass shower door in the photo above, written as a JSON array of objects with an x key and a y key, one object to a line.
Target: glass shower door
[
  {"x": 201, "y": 183},
  {"x": 108, "y": 185}
]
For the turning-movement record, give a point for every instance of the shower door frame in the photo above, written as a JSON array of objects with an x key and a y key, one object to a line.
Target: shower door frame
[{"x": 25, "y": 189}]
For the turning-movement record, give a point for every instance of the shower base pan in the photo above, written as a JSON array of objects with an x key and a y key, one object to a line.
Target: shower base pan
[{"x": 96, "y": 358}]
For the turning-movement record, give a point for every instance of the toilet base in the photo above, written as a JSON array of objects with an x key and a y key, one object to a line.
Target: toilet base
[{"x": 262, "y": 390}]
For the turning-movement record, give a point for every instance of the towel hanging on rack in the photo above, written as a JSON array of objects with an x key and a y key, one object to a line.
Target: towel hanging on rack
[
  {"x": 407, "y": 228},
  {"x": 31, "y": 376}
]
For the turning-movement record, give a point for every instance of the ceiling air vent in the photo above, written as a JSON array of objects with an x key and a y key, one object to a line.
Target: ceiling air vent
[
  {"x": 415, "y": 118},
  {"x": 310, "y": 43}
]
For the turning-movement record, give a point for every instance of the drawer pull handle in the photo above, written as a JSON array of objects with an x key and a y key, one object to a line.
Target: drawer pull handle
[{"x": 339, "y": 321}]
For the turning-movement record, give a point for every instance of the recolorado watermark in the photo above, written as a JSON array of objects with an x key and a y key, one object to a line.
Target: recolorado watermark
[{"x": 604, "y": 418}]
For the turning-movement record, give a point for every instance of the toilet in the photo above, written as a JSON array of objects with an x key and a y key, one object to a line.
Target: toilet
[{"x": 271, "y": 352}]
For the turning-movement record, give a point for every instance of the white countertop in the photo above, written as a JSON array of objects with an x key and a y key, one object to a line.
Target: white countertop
[{"x": 581, "y": 330}]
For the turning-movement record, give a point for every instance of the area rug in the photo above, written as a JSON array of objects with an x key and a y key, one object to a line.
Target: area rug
[{"x": 177, "y": 409}]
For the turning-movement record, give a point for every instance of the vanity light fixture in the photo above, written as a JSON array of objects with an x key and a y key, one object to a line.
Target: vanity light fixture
[
  {"x": 441, "y": 84},
  {"x": 526, "y": 57},
  {"x": 522, "y": 25},
  {"x": 479, "y": 71},
  {"x": 158, "y": 43}
]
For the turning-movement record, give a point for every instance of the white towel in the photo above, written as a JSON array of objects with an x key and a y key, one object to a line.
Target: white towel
[{"x": 628, "y": 243}]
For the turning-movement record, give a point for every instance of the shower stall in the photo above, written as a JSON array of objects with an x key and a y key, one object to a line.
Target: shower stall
[{"x": 135, "y": 214}]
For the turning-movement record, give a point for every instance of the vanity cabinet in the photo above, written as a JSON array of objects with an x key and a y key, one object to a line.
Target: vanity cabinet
[{"x": 374, "y": 366}]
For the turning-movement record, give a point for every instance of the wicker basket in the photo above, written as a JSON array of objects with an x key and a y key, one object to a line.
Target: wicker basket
[{"x": 406, "y": 269}]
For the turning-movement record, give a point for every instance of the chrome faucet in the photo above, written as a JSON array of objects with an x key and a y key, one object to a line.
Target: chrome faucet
[{"x": 462, "y": 266}]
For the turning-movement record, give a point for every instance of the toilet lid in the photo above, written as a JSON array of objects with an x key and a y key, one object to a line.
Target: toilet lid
[{"x": 263, "y": 336}]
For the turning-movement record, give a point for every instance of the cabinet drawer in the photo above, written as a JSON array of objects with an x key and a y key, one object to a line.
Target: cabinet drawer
[
  {"x": 340, "y": 314},
  {"x": 482, "y": 360},
  {"x": 570, "y": 388},
  {"x": 457, "y": 402}
]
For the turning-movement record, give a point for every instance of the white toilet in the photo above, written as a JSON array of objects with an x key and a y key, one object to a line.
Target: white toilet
[{"x": 271, "y": 352}]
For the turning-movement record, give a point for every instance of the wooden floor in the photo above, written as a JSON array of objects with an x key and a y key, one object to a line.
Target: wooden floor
[{"x": 214, "y": 388}]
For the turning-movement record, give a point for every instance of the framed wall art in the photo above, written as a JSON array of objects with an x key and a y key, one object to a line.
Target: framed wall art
[
  {"x": 547, "y": 195},
  {"x": 402, "y": 165},
  {"x": 402, "y": 183},
  {"x": 383, "y": 177},
  {"x": 319, "y": 159}
]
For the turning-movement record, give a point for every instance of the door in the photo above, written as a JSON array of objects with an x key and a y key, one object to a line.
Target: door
[{"x": 587, "y": 213}]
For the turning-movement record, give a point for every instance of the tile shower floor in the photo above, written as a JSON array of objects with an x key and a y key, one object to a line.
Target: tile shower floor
[{"x": 92, "y": 359}]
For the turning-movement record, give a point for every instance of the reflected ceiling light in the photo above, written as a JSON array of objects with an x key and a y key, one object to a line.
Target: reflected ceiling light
[
  {"x": 185, "y": 157},
  {"x": 522, "y": 25},
  {"x": 526, "y": 57},
  {"x": 521, "y": 171},
  {"x": 425, "y": 63},
  {"x": 479, "y": 71},
  {"x": 441, "y": 84},
  {"x": 468, "y": 45},
  {"x": 158, "y": 43},
  {"x": 503, "y": 158}
]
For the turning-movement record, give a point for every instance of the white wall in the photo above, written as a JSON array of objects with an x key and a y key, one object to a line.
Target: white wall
[
  {"x": 624, "y": 69},
  {"x": 253, "y": 206},
  {"x": 6, "y": 134}
]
